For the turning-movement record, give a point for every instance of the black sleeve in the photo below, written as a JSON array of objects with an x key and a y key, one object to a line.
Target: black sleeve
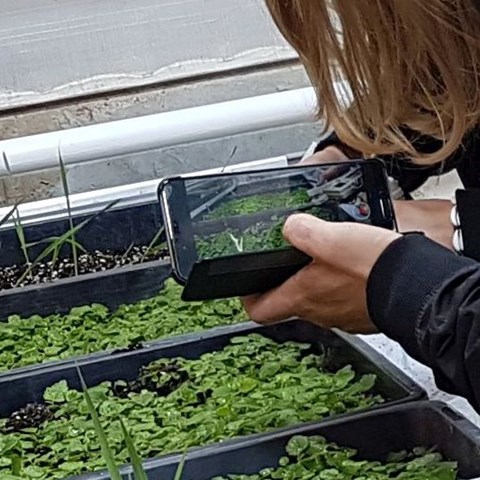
[
  {"x": 431, "y": 306},
  {"x": 410, "y": 176}
]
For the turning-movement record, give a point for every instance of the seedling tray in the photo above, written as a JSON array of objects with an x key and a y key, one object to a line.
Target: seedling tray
[
  {"x": 373, "y": 434},
  {"x": 28, "y": 386},
  {"x": 112, "y": 230},
  {"x": 111, "y": 288}
]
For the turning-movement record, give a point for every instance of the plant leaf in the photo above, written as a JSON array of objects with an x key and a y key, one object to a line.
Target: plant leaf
[
  {"x": 102, "y": 437},
  {"x": 181, "y": 467},
  {"x": 138, "y": 471},
  {"x": 66, "y": 190},
  {"x": 152, "y": 243}
]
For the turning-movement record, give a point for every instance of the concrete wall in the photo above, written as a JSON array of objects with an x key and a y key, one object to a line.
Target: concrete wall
[
  {"x": 137, "y": 57},
  {"x": 54, "y": 49}
]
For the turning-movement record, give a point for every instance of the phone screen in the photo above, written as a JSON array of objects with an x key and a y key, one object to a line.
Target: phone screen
[{"x": 233, "y": 214}]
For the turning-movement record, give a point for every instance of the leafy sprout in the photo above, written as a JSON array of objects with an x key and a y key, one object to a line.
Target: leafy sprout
[
  {"x": 252, "y": 385},
  {"x": 56, "y": 243},
  {"x": 139, "y": 472},
  {"x": 66, "y": 190},
  {"x": 153, "y": 243}
]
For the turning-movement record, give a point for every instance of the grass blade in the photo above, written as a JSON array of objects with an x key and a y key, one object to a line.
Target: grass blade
[
  {"x": 9, "y": 214},
  {"x": 152, "y": 243},
  {"x": 181, "y": 468},
  {"x": 55, "y": 243},
  {"x": 127, "y": 252},
  {"x": 138, "y": 471},
  {"x": 20, "y": 231},
  {"x": 107, "y": 454},
  {"x": 66, "y": 190}
]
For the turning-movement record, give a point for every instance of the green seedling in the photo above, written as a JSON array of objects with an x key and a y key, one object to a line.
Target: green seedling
[
  {"x": 107, "y": 454},
  {"x": 9, "y": 214},
  {"x": 152, "y": 246},
  {"x": 92, "y": 328},
  {"x": 66, "y": 190},
  {"x": 253, "y": 385},
  {"x": 127, "y": 252},
  {"x": 20, "y": 231},
  {"x": 55, "y": 244},
  {"x": 138, "y": 470},
  {"x": 313, "y": 457}
]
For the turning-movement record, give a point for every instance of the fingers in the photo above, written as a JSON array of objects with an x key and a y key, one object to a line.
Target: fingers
[
  {"x": 310, "y": 235},
  {"x": 276, "y": 305},
  {"x": 329, "y": 155},
  {"x": 346, "y": 246}
]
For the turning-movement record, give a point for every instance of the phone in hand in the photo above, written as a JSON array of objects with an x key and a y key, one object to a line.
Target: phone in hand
[{"x": 224, "y": 231}]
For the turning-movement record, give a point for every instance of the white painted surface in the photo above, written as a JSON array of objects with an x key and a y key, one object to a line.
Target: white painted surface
[
  {"x": 421, "y": 374},
  {"x": 52, "y": 49},
  {"x": 123, "y": 196},
  {"x": 84, "y": 144}
]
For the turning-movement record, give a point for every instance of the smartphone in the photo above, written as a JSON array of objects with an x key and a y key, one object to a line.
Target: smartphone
[{"x": 230, "y": 225}]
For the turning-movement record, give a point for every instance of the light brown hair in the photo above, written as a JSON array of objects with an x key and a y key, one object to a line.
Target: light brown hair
[{"x": 408, "y": 63}]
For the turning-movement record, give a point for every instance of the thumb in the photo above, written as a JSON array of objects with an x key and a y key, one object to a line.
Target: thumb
[{"x": 348, "y": 246}]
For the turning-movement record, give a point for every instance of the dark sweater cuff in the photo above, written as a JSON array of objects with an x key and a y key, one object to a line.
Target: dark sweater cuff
[{"x": 403, "y": 280}]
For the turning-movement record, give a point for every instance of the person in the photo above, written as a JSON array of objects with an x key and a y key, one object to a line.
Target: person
[{"x": 413, "y": 73}]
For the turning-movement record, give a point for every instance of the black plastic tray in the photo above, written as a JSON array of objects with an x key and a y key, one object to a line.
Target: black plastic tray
[
  {"x": 112, "y": 230},
  {"x": 111, "y": 288},
  {"x": 373, "y": 434},
  {"x": 28, "y": 386},
  {"x": 115, "y": 229}
]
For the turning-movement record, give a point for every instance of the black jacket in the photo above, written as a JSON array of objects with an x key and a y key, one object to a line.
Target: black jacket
[{"x": 426, "y": 297}]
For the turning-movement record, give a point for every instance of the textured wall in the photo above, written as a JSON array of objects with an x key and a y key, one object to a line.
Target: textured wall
[{"x": 52, "y": 49}]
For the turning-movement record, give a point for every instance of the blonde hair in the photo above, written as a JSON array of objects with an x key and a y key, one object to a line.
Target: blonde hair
[{"x": 409, "y": 64}]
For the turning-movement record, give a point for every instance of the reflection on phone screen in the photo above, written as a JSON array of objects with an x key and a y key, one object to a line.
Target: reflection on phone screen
[{"x": 246, "y": 213}]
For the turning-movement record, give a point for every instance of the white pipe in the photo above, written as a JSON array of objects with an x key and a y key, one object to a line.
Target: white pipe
[
  {"x": 84, "y": 144},
  {"x": 126, "y": 195}
]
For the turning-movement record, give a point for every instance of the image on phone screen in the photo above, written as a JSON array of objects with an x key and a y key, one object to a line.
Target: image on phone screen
[{"x": 231, "y": 214}]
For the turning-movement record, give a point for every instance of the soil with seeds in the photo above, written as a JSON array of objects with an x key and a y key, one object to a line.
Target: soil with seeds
[
  {"x": 87, "y": 263},
  {"x": 162, "y": 378},
  {"x": 32, "y": 416}
]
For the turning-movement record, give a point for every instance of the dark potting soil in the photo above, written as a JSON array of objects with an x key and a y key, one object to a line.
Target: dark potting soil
[
  {"x": 31, "y": 416},
  {"x": 94, "y": 262},
  {"x": 161, "y": 378}
]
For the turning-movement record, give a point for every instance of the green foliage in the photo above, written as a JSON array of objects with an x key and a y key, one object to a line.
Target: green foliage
[
  {"x": 260, "y": 237},
  {"x": 66, "y": 191},
  {"x": 253, "y": 385},
  {"x": 20, "y": 231},
  {"x": 55, "y": 244},
  {"x": 312, "y": 458},
  {"x": 259, "y": 203},
  {"x": 107, "y": 453},
  {"x": 94, "y": 328}
]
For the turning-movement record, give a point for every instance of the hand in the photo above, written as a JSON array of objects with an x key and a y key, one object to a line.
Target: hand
[
  {"x": 329, "y": 155},
  {"x": 431, "y": 217},
  {"x": 331, "y": 291}
]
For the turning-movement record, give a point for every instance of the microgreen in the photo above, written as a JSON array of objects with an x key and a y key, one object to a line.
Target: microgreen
[
  {"x": 92, "y": 328},
  {"x": 257, "y": 203},
  {"x": 252, "y": 385},
  {"x": 311, "y": 458}
]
